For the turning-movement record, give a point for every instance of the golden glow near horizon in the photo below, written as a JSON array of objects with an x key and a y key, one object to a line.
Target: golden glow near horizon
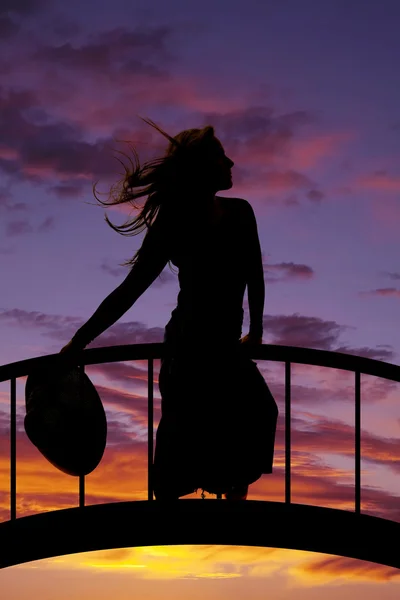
[{"x": 221, "y": 562}]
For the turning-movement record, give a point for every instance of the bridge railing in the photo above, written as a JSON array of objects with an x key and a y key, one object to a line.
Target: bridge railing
[{"x": 286, "y": 354}]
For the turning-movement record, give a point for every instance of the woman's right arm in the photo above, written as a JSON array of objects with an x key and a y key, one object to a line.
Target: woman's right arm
[{"x": 152, "y": 258}]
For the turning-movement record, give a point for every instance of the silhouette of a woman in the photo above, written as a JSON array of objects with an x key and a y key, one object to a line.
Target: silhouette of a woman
[{"x": 218, "y": 423}]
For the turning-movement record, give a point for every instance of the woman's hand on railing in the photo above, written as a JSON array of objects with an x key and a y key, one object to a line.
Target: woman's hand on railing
[
  {"x": 251, "y": 339},
  {"x": 72, "y": 349}
]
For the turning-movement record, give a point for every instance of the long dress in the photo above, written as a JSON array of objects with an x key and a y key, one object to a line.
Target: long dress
[{"x": 218, "y": 423}]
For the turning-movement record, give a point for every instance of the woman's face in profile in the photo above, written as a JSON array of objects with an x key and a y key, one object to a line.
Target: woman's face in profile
[{"x": 220, "y": 166}]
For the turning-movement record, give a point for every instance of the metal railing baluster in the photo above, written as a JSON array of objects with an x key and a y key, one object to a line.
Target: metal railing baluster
[
  {"x": 357, "y": 443},
  {"x": 150, "y": 416},
  {"x": 287, "y": 433},
  {"x": 13, "y": 448},
  {"x": 81, "y": 477},
  {"x": 81, "y": 491}
]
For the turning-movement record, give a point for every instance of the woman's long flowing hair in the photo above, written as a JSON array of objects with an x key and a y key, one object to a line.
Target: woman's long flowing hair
[{"x": 164, "y": 180}]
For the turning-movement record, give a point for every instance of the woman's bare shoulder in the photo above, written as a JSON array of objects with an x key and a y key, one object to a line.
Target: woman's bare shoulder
[
  {"x": 237, "y": 203},
  {"x": 245, "y": 213},
  {"x": 240, "y": 206}
]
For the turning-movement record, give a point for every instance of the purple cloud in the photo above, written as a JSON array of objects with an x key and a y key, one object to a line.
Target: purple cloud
[
  {"x": 23, "y": 7},
  {"x": 315, "y": 196},
  {"x": 258, "y": 124},
  {"x": 5, "y": 197},
  {"x": 21, "y": 227},
  {"x": 298, "y": 330},
  {"x": 47, "y": 225},
  {"x": 117, "y": 52},
  {"x": 313, "y": 332},
  {"x": 286, "y": 330},
  {"x": 378, "y": 353},
  {"x": 395, "y": 276},
  {"x": 67, "y": 190},
  {"x": 8, "y": 28},
  {"x": 62, "y": 328},
  {"x": 287, "y": 272}
]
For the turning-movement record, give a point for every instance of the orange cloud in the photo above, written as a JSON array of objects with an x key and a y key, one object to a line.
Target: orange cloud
[
  {"x": 121, "y": 476},
  {"x": 183, "y": 562},
  {"x": 331, "y": 568}
]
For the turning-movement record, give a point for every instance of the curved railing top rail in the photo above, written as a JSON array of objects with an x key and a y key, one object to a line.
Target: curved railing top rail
[{"x": 278, "y": 353}]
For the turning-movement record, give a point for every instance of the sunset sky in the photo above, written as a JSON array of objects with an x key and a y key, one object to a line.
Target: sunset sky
[{"x": 305, "y": 97}]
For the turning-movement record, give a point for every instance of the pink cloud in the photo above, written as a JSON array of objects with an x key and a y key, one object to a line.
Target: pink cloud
[
  {"x": 9, "y": 153},
  {"x": 256, "y": 135},
  {"x": 382, "y": 292},
  {"x": 286, "y": 180},
  {"x": 380, "y": 182},
  {"x": 308, "y": 153},
  {"x": 130, "y": 403}
]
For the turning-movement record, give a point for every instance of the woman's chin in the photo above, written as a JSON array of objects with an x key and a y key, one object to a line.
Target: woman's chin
[{"x": 226, "y": 185}]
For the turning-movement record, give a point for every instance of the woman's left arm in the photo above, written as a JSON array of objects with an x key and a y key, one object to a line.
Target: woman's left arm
[{"x": 254, "y": 273}]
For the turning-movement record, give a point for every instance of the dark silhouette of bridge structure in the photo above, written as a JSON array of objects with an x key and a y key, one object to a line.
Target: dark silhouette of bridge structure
[{"x": 184, "y": 521}]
